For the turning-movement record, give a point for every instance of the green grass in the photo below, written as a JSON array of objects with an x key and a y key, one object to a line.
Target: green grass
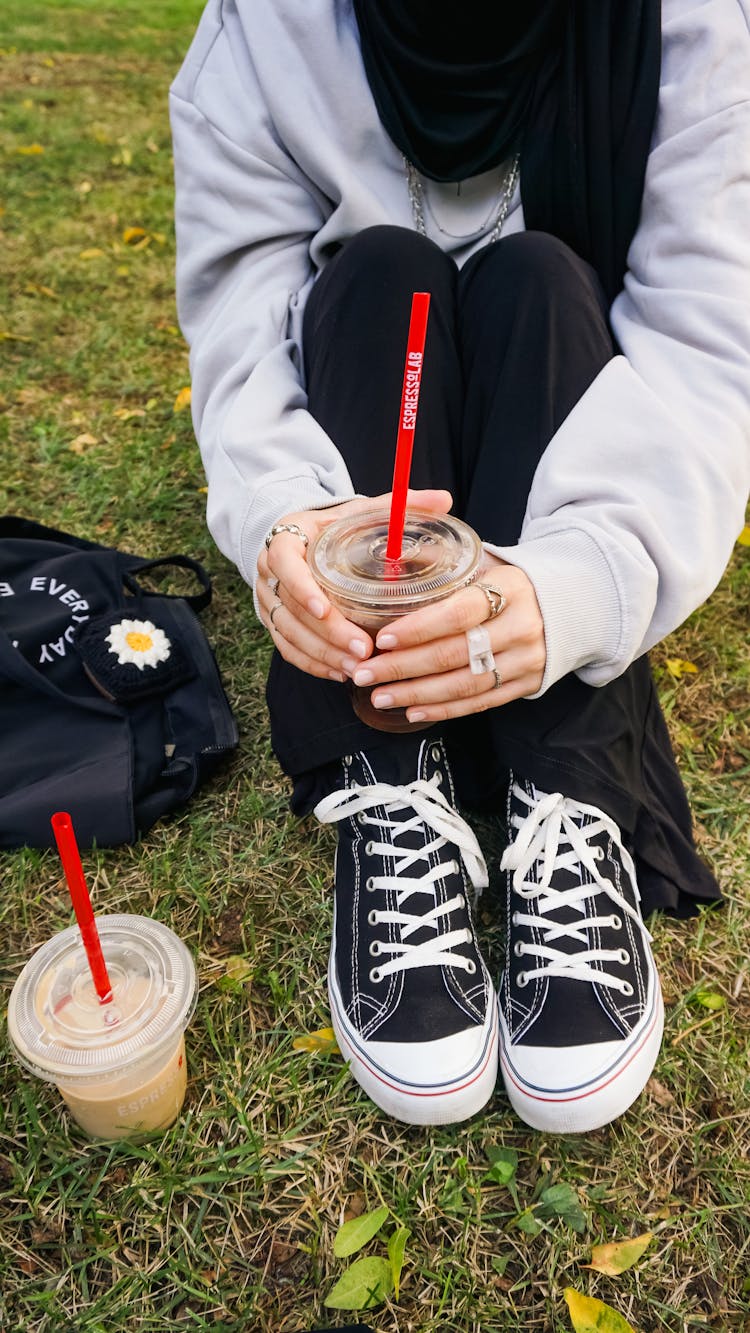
[{"x": 226, "y": 1222}]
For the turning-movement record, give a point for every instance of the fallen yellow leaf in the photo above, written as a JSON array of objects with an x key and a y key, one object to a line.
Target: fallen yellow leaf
[
  {"x": 678, "y": 667},
  {"x": 30, "y": 150},
  {"x": 48, "y": 62},
  {"x": 182, "y": 400},
  {"x": 82, "y": 442},
  {"x": 37, "y": 289},
  {"x": 588, "y": 1315},
  {"x": 131, "y": 234},
  {"x": 744, "y": 537},
  {"x": 84, "y": 187},
  {"x": 93, "y": 253},
  {"x": 7, "y": 337},
  {"x": 619, "y": 1255},
  {"x": 127, "y": 413},
  {"x": 324, "y": 1040}
]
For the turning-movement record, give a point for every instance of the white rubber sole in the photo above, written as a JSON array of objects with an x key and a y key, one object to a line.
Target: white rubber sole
[
  {"x": 593, "y": 1101},
  {"x": 440, "y": 1099}
]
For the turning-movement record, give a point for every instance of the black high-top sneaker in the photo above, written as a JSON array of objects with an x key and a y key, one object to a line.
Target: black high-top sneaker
[
  {"x": 581, "y": 1014},
  {"x": 412, "y": 1004}
]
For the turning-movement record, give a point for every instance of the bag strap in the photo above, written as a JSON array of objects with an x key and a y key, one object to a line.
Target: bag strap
[
  {"x": 198, "y": 601},
  {"x": 12, "y": 525}
]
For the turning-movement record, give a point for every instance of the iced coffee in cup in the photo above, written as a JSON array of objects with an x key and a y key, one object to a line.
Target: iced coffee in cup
[
  {"x": 119, "y": 1066},
  {"x": 439, "y": 555}
]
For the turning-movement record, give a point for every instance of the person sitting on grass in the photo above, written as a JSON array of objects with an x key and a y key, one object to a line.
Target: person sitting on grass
[{"x": 569, "y": 180}]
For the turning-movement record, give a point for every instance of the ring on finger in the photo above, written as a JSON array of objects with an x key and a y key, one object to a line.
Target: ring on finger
[
  {"x": 498, "y": 678},
  {"x": 480, "y": 650},
  {"x": 496, "y": 600},
  {"x": 273, "y": 611},
  {"x": 273, "y": 584}
]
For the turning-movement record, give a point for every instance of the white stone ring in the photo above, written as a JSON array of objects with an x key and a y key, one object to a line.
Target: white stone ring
[
  {"x": 481, "y": 657},
  {"x": 274, "y": 585}
]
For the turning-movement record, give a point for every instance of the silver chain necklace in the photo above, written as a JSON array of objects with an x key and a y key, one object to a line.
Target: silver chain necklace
[{"x": 417, "y": 199}]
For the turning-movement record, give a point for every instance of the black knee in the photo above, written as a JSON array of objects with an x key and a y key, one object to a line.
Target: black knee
[{"x": 532, "y": 267}]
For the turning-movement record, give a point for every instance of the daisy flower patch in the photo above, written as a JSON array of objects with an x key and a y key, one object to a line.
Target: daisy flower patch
[{"x": 138, "y": 642}]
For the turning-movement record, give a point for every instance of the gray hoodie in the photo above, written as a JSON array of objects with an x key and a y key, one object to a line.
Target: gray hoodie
[{"x": 638, "y": 499}]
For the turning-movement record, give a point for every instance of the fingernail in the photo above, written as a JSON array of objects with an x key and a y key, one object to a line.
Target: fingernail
[
  {"x": 416, "y": 717},
  {"x": 383, "y": 700},
  {"x": 316, "y": 608},
  {"x": 337, "y": 675},
  {"x": 386, "y": 641},
  {"x": 363, "y": 677},
  {"x": 349, "y": 665},
  {"x": 357, "y": 647}
]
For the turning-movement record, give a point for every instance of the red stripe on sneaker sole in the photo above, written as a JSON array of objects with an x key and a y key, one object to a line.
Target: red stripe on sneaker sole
[
  {"x": 400, "y": 1087},
  {"x": 533, "y": 1096}
]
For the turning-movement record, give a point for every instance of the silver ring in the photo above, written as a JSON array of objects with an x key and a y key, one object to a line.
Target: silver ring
[
  {"x": 496, "y": 600},
  {"x": 273, "y": 611},
  {"x": 274, "y": 585},
  {"x": 480, "y": 650},
  {"x": 498, "y": 678},
  {"x": 294, "y": 528}
]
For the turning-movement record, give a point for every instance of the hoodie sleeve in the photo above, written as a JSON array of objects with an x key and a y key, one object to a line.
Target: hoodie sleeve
[
  {"x": 245, "y": 216},
  {"x": 640, "y": 495}
]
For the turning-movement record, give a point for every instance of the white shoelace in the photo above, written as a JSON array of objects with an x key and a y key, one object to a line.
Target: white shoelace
[
  {"x": 550, "y": 838},
  {"x": 431, "y": 811}
]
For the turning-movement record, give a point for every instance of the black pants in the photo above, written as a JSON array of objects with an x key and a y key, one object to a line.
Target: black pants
[{"x": 514, "y": 339}]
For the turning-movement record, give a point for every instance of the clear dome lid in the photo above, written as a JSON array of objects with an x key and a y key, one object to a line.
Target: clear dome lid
[
  {"x": 62, "y": 1033},
  {"x": 439, "y": 554}
]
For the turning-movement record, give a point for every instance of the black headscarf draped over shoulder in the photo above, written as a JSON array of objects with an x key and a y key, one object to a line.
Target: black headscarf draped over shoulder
[{"x": 573, "y": 84}]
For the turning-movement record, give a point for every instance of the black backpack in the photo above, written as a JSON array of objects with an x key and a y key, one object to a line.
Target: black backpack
[{"x": 111, "y": 703}]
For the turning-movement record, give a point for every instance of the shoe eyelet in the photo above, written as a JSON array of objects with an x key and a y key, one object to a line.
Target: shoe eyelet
[
  {"x": 461, "y": 900},
  {"x": 375, "y": 948},
  {"x": 616, "y": 922},
  {"x": 370, "y": 884},
  {"x": 514, "y": 919},
  {"x": 627, "y": 989},
  {"x": 624, "y": 956},
  {"x": 348, "y": 759},
  {"x": 455, "y": 868},
  {"x": 372, "y": 918},
  {"x": 436, "y": 756},
  {"x": 471, "y": 967},
  {"x": 598, "y": 853},
  {"x": 368, "y": 849},
  {"x": 518, "y": 949},
  {"x": 522, "y": 980},
  {"x": 376, "y": 975},
  {"x": 361, "y": 817}
]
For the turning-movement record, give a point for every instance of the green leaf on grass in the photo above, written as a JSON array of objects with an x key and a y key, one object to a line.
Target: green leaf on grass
[
  {"x": 527, "y": 1223},
  {"x": 504, "y": 1162},
  {"x": 619, "y": 1255},
  {"x": 562, "y": 1201},
  {"x": 365, "y": 1283},
  {"x": 396, "y": 1249},
  {"x": 588, "y": 1315},
  {"x": 710, "y": 999},
  {"x": 354, "y": 1234},
  {"x": 500, "y": 1263}
]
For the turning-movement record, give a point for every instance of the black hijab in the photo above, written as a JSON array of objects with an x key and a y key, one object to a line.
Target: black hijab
[{"x": 573, "y": 84}]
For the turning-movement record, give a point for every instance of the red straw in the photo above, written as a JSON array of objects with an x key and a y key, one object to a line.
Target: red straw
[
  {"x": 420, "y": 305},
  {"x": 62, "y": 827}
]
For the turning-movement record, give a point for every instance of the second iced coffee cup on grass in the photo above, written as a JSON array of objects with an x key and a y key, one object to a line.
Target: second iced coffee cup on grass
[
  {"x": 119, "y": 1066},
  {"x": 439, "y": 555}
]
